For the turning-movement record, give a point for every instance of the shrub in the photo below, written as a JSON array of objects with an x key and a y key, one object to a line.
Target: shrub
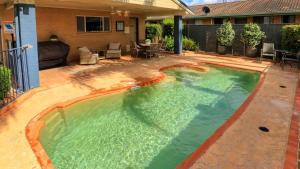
[
  {"x": 153, "y": 31},
  {"x": 225, "y": 35},
  {"x": 169, "y": 43},
  {"x": 252, "y": 35},
  {"x": 168, "y": 27},
  {"x": 189, "y": 44},
  {"x": 5, "y": 81},
  {"x": 290, "y": 39}
]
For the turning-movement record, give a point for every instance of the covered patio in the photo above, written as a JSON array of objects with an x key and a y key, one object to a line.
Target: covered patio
[{"x": 79, "y": 23}]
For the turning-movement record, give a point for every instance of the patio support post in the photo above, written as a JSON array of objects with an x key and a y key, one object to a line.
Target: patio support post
[
  {"x": 178, "y": 34},
  {"x": 26, "y": 34}
]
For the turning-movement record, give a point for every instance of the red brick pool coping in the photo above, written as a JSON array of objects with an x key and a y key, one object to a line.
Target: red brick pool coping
[
  {"x": 34, "y": 126},
  {"x": 291, "y": 158}
]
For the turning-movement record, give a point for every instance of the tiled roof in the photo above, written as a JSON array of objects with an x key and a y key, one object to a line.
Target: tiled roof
[{"x": 248, "y": 7}]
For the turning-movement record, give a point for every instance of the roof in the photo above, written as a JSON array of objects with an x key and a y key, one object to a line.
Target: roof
[
  {"x": 184, "y": 6},
  {"x": 247, "y": 8}
]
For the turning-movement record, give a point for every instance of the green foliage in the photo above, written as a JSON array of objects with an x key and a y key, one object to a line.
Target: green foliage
[
  {"x": 225, "y": 35},
  {"x": 189, "y": 44},
  {"x": 153, "y": 30},
  {"x": 168, "y": 27},
  {"x": 169, "y": 43},
  {"x": 5, "y": 81},
  {"x": 252, "y": 35},
  {"x": 291, "y": 38}
]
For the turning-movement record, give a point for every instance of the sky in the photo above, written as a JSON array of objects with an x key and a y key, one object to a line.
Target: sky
[{"x": 191, "y": 2}]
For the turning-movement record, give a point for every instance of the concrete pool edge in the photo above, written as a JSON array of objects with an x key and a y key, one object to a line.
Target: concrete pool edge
[{"x": 34, "y": 126}]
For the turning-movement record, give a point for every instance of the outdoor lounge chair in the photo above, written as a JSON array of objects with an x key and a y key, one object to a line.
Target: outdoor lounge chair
[
  {"x": 268, "y": 50},
  {"x": 113, "y": 51},
  {"x": 87, "y": 57}
]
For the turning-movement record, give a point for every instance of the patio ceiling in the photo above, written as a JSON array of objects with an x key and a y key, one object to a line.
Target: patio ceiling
[{"x": 145, "y": 7}]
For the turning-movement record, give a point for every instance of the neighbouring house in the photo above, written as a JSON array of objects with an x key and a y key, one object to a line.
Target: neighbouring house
[
  {"x": 246, "y": 11},
  {"x": 78, "y": 23}
]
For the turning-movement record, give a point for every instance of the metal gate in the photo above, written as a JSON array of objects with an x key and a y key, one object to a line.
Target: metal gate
[{"x": 14, "y": 76}]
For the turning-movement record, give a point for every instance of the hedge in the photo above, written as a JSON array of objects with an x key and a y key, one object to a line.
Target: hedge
[
  {"x": 290, "y": 39},
  {"x": 5, "y": 81}
]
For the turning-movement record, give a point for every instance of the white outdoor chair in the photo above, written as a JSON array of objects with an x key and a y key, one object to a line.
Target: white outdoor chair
[
  {"x": 113, "y": 51},
  {"x": 87, "y": 57},
  {"x": 268, "y": 50}
]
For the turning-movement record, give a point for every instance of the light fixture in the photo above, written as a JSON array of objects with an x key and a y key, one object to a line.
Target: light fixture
[{"x": 126, "y": 13}]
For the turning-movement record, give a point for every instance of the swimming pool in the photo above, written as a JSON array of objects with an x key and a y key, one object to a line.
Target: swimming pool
[{"x": 155, "y": 126}]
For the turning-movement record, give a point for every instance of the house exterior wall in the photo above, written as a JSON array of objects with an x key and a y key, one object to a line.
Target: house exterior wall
[
  {"x": 63, "y": 23},
  {"x": 203, "y": 21},
  {"x": 249, "y": 19},
  {"x": 298, "y": 19},
  {"x": 276, "y": 20}
]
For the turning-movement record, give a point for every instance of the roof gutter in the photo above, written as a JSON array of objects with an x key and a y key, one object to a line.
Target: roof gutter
[{"x": 184, "y": 6}]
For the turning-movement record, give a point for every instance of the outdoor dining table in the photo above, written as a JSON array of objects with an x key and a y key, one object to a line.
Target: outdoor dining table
[
  {"x": 286, "y": 56},
  {"x": 146, "y": 45}
]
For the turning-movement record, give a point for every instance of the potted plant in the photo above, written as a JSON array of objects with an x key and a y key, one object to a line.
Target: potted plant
[
  {"x": 153, "y": 32},
  {"x": 251, "y": 37},
  {"x": 225, "y": 37},
  {"x": 5, "y": 82}
]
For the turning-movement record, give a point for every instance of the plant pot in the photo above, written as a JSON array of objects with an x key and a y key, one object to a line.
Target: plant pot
[
  {"x": 251, "y": 52},
  {"x": 221, "y": 50}
]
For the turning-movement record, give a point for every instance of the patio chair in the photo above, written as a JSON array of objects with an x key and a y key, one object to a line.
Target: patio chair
[
  {"x": 136, "y": 50},
  {"x": 163, "y": 46},
  {"x": 152, "y": 51},
  {"x": 113, "y": 51},
  {"x": 268, "y": 50},
  {"x": 87, "y": 57},
  {"x": 288, "y": 57}
]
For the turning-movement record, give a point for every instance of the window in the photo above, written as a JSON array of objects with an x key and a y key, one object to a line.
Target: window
[
  {"x": 218, "y": 21},
  {"x": 120, "y": 26},
  {"x": 288, "y": 19},
  {"x": 93, "y": 24},
  {"x": 240, "y": 20},
  {"x": 263, "y": 19}
]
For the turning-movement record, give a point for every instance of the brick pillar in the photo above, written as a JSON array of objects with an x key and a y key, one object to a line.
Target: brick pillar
[
  {"x": 177, "y": 34},
  {"x": 26, "y": 34}
]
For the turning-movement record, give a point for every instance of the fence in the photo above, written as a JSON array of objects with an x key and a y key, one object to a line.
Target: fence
[
  {"x": 205, "y": 36},
  {"x": 13, "y": 74}
]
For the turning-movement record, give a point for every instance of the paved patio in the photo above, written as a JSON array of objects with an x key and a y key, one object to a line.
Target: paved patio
[{"x": 242, "y": 145}]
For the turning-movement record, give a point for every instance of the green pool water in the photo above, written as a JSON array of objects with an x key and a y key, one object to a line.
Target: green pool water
[{"x": 153, "y": 127}]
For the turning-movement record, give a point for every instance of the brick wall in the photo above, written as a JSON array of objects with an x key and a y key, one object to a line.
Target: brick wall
[
  {"x": 249, "y": 19},
  {"x": 277, "y": 20},
  {"x": 203, "y": 21},
  {"x": 62, "y": 22},
  {"x": 298, "y": 19}
]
